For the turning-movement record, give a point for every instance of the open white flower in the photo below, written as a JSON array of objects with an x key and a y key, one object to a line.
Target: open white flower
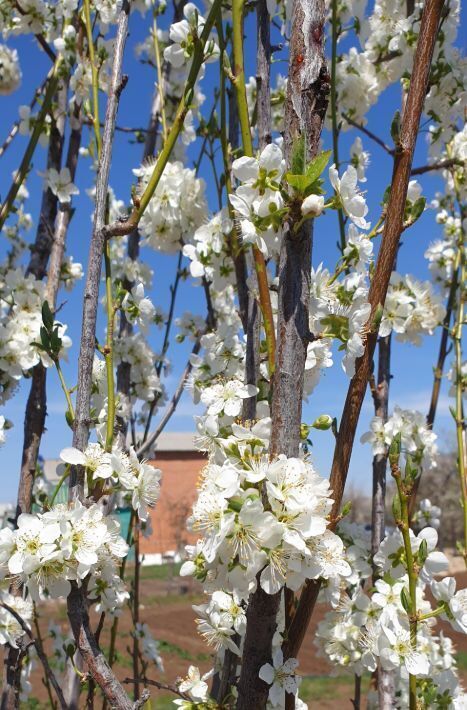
[
  {"x": 352, "y": 201},
  {"x": 281, "y": 677},
  {"x": 227, "y": 397},
  {"x": 138, "y": 477},
  {"x": 396, "y": 650},
  {"x": 35, "y": 543},
  {"x": 61, "y": 184},
  {"x": 195, "y": 684},
  {"x": 183, "y": 35},
  {"x": 95, "y": 459}
]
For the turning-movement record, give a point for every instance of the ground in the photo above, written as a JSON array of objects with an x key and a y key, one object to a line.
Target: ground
[{"x": 166, "y": 608}]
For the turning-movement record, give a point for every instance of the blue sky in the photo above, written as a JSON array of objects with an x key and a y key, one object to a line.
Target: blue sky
[{"x": 412, "y": 367}]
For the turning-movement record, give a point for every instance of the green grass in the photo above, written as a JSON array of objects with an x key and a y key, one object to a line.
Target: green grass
[
  {"x": 329, "y": 687},
  {"x": 461, "y": 658},
  {"x": 167, "y": 647},
  {"x": 312, "y": 690},
  {"x": 162, "y": 572}
]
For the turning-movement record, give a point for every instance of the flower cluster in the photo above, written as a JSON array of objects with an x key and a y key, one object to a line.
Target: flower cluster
[
  {"x": 176, "y": 209},
  {"x": 416, "y": 438},
  {"x": 20, "y": 329},
  {"x": 286, "y": 542},
  {"x": 137, "y": 478},
  {"x": 48, "y": 551},
  {"x": 411, "y": 309},
  {"x": 208, "y": 254},
  {"x": 367, "y": 629},
  {"x": 10, "y": 72},
  {"x": 257, "y": 201},
  {"x": 339, "y": 310}
]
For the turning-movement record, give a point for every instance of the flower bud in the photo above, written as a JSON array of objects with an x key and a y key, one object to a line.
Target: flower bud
[
  {"x": 313, "y": 205},
  {"x": 323, "y": 422}
]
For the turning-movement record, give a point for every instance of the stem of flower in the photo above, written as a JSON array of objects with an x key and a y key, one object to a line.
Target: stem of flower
[
  {"x": 59, "y": 484},
  {"x": 65, "y": 389},
  {"x": 160, "y": 75},
  {"x": 334, "y": 115},
  {"x": 459, "y": 409},
  {"x": 245, "y": 128},
  {"x": 412, "y": 573},
  {"x": 436, "y": 612},
  {"x": 94, "y": 75}
]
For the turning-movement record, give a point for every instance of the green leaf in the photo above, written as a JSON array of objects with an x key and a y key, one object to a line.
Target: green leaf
[
  {"x": 418, "y": 208},
  {"x": 317, "y": 165},
  {"x": 302, "y": 179},
  {"x": 422, "y": 552},
  {"x": 47, "y": 316},
  {"x": 297, "y": 161},
  {"x": 346, "y": 508},
  {"x": 396, "y": 128},
  {"x": 45, "y": 340},
  {"x": 69, "y": 418},
  {"x": 299, "y": 182},
  {"x": 405, "y": 601}
]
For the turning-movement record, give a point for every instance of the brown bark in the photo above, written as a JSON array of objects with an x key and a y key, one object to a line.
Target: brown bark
[
  {"x": 390, "y": 241},
  {"x": 263, "y": 122},
  {"x": 91, "y": 291},
  {"x": 307, "y": 92},
  {"x": 76, "y": 603},
  {"x": 385, "y": 679},
  {"x": 381, "y": 402}
]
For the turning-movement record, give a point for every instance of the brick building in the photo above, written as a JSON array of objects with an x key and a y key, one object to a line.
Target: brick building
[{"x": 181, "y": 465}]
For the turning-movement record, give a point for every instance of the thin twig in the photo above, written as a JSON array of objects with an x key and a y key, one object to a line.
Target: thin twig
[
  {"x": 442, "y": 165},
  {"x": 157, "y": 684},
  {"x": 171, "y": 406},
  {"x": 40, "y": 652},
  {"x": 369, "y": 133},
  {"x": 14, "y": 130},
  {"x": 76, "y": 601}
]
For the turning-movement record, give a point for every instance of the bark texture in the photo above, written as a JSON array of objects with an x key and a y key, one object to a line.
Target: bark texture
[
  {"x": 391, "y": 235},
  {"x": 91, "y": 291},
  {"x": 76, "y": 602},
  {"x": 385, "y": 679},
  {"x": 307, "y": 92}
]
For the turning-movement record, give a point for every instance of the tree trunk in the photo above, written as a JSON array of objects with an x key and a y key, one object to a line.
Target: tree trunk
[{"x": 307, "y": 92}]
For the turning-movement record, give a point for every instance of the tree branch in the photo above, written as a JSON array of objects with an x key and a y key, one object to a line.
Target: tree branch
[
  {"x": 307, "y": 97},
  {"x": 391, "y": 234},
  {"x": 171, "y": 406},
  {"x": 91, "y": 292},
  {"x": 41, "y": 654}
]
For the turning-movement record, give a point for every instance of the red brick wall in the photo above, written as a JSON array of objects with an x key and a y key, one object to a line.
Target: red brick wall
[{"x": 180, "y": 473}]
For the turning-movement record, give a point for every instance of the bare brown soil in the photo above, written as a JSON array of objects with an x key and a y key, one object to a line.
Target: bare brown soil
[{"x": 171, "y": 619}]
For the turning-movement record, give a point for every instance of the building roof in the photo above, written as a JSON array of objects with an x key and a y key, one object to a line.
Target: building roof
[
  {"x": 171, "y": 441},
  {"x": 176, "y": 441}
]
